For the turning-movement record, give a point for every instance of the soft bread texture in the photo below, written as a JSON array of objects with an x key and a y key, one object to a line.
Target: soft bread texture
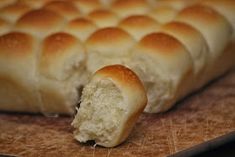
[
  {"x": 193, "y": 41},
  {"x": 110, "y": 106},
  {"x": 62, "y": 73},
  {"x": 166, "y": 63},
  {"x": 217, "y": 26},
  {"x": 18, "y": 74},
  {"x": 196, "y": 45}
]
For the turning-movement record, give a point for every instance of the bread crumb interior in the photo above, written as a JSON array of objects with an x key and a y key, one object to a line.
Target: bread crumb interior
[{"x": 100, "y": 113}]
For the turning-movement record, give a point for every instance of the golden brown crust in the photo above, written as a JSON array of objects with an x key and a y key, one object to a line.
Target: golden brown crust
[
  {"x": 66, "y": 9},
  {"x": 82, "y": 28},
  {"x": 103, "y": 18},
  {"x": 140, "y": 21},
  {"x": 14, "y": 11},
  {"x": 161, "y": 43},
  {"x": 107, "y": 35},
  {"x": 40, "y": 22},
  {"x": 61, "y": 52},
  {"x": 56, "y": 44},
  {"x": 87, "y": 6},
  {"x": 135, "y": 24},
  {"x": 203, "y": 13},
  {"x": 200, "y": 16},
  {"x": 163, "y": 14},
  {"x": 15, "y": 44},
  {"x": 110, "y": 40},
  {"x": 125, "y": 8},
  {"x": 121, "y": 74},
  {"x": 80, "y": 23},
  {"x": 181, "y": 27}
]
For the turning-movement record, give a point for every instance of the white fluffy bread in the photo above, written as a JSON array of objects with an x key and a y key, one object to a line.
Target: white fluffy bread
[
  {"x": 61, "y": 73},
  {"x": 164, "y": 66},
  {"x": 18, "y": 74},
  {"x": 110, "y": 105}
]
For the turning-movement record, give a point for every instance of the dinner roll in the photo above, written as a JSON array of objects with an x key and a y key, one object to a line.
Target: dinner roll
[
  {"x": 164, "y": 65},
  {"x": 103, "y": 18},
  {"x": 82, "y": 28},
  {"x": 62, "y": 73},
  {"x": 125, "y": 8},
  {"x": 110, "y": 105},
  {"x": 66, "y": 9},
  {"x": 18, "y": 73},
  {"x": 211, "y": 24},
  {"x": 108, "y": 46},
  {"x": 12, "y": 12},
  {"x": 192, "y": 40},
  {"x": 163, "y": 14},
  {"x": 134, "y": 25},
  {"x": 217, "y": 33},
  {"x": 225, "y": 8},
  {"x": 40, "y": 22}
]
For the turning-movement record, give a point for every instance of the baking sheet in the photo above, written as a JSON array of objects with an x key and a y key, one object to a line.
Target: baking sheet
[{"x": 203, "y": 116}]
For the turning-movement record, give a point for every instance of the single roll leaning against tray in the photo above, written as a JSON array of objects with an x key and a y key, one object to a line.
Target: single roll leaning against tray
[{"x": 110, "y": 105}]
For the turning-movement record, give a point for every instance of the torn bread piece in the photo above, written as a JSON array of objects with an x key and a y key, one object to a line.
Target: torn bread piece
[{"x": 110, "y": 105}]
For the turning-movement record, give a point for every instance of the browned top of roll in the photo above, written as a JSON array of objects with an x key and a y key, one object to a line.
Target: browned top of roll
[
  {"x": 16, "y": 44},
  {"x": 121, "y": 74},
  {"x": 125, "y": 8},
  {"x": 161, "y": 43},
  {"x": 109, "y": 40},
  {"x": 14, "y": 11},
  {"x": 64, "y": 8}
]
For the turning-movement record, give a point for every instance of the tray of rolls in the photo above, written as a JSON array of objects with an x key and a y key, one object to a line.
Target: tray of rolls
[{"x": 115, "y": 77}]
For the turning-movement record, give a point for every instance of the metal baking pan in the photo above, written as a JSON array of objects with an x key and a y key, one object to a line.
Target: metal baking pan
[{"x": 223, "y": 146}]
